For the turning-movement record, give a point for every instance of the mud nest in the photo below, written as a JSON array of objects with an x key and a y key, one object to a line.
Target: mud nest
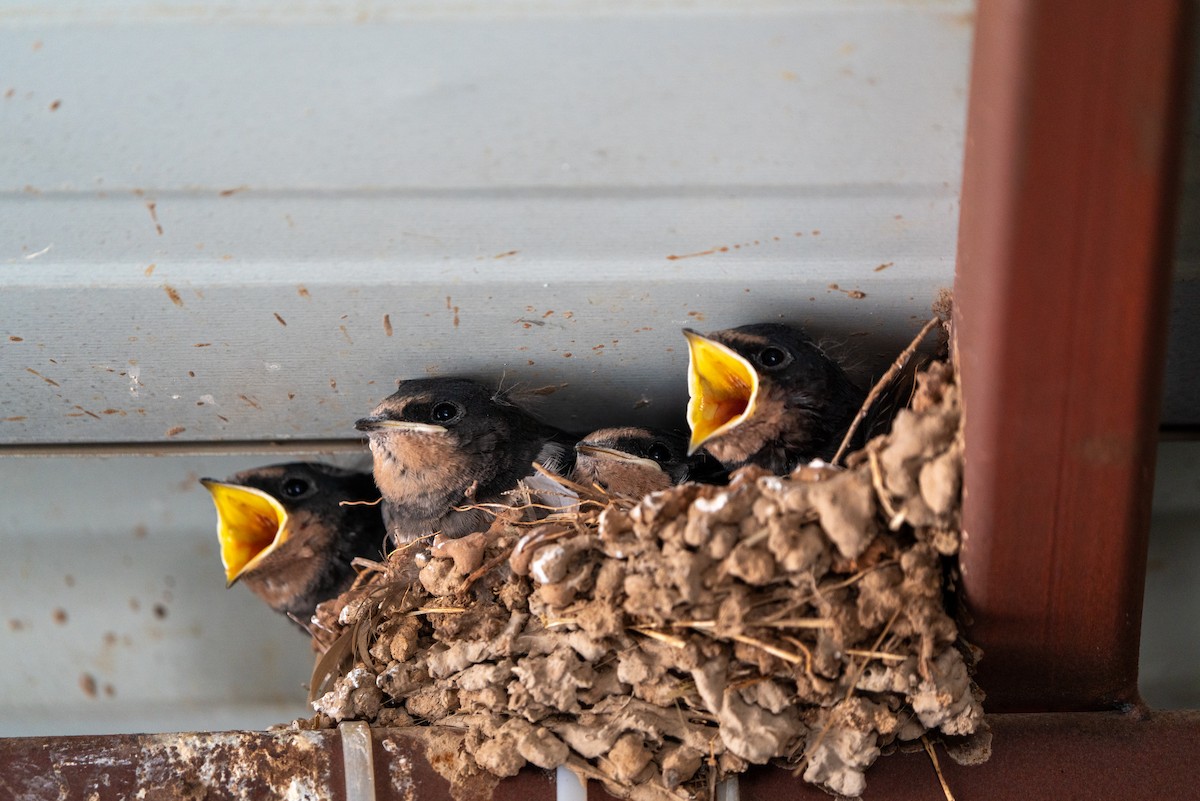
[{"x": 663, "y": 643}]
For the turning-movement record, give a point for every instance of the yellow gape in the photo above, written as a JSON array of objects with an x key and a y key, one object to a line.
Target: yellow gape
[
  {"x": 250, "y": 525},
  {"x": 722, "y": 388}
]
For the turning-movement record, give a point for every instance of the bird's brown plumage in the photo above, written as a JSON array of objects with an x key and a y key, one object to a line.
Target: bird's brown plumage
[
  {"x": 767, "y": 395},
  {"x": 445, "y": 447},
  {"x": 307, "y": 559}
]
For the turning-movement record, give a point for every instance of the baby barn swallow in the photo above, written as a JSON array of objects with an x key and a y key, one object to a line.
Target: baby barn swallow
[
  {"x": 442, "y": 444},
  {"x": 285, "y": 535},
  {"x": 632, "y": 462},
  {"x": 766, "y": 395}
]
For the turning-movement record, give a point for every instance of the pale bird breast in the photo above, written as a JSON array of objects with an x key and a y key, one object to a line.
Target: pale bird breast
[{"x": 415, "y": 466}]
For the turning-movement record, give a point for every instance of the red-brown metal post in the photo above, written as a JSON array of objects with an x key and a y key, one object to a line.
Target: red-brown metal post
[{"x": 1069, "y": 186}]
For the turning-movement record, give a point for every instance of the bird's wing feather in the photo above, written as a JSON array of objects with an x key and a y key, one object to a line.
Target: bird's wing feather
[
  {"x": 555, "y": 457},
  {"x": 548, "y": 492}
]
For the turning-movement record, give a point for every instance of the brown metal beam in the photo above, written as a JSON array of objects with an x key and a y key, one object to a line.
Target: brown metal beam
[
  {"x": 1063, "y": 264},
  {"x": 233, "y": 766},
  {"x": 1094, "y": 755}
]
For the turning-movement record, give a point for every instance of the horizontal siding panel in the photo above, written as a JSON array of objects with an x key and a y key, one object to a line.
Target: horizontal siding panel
[{"x": 207, "y": 225}]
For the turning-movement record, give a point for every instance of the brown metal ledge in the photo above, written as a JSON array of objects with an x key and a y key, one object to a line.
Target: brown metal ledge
[{"x": 1096, "y": 755}]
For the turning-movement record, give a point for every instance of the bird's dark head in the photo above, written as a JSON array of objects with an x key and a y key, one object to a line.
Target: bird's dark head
[
  {"x": 750, "y": 385},
  {"x": 262, "y": 513},
  {"x": 631, "y": 461},
  {"x": 433, "y": 434},
  {"x": 452, "y": 411}
]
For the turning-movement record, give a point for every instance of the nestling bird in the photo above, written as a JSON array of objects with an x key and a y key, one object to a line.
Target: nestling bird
[
  {"x": 286, "y": 536},
  {"x": 442, "y": 445},
  {"x": 766, "y": 395},
  {"x": 631, "y": 462}
]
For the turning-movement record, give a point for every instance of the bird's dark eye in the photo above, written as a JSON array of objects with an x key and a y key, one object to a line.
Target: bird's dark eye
[
  {"x": 295, "y": 487},
  {"x": 771, "y": 356},
  {"x": 444, "y": 412},
  {"x": 659, "y": 453}
]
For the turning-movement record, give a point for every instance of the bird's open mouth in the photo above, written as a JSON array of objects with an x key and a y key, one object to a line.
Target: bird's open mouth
[
  {"x": 598, "y": 452},
  {"x": 722, "y": 388},
  {"x": 250, "y": 525}
]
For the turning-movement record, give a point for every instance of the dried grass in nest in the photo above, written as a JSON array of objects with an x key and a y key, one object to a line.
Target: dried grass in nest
[{"x": 662, "y": 643}]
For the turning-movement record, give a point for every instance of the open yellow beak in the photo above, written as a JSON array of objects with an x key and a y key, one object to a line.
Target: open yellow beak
[
  {"x": 722, "y": 388},
  {"x": 250, "y": 525}
]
